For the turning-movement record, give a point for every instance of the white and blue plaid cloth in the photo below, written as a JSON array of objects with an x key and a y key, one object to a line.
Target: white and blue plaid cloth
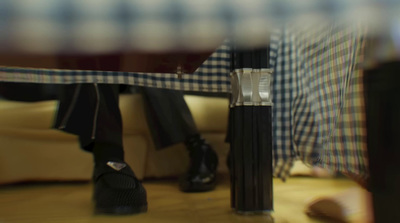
[
  {"x": 211, "y": 76},
  {"x": 49, "y": 26},
  {"x": 317, "y": 88},
  {"x": 318, "y": 112}
]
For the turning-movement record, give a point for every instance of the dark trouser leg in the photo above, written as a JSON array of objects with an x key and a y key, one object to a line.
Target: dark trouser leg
[
  {"x": 169, "y": 118},
  {"x": 170, "y": 122},
  {"x": 92, "y": 112},
  {"x": 251, "y": 133},
  {"x": 383, "y": 121}
]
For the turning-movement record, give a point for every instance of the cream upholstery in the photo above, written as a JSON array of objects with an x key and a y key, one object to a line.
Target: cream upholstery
[{"x": 31, "y": 150}]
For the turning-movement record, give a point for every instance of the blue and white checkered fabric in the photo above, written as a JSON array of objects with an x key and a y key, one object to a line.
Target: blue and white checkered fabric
[
  {"x": 318, "y": 113},
  {"x": 317, "y": 93},
  {"x": 109, "y": 25},
  {"x": 211, "y": 76}
]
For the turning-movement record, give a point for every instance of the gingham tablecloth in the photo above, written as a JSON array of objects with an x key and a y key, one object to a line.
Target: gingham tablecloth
[
  {"x": 317, "y": 93},
  {"x": 109, "y": 25},
  {"x": 211, "y": 76},
  {"x": 317, "y": 86},
  {"x": 318, "y": 112}
]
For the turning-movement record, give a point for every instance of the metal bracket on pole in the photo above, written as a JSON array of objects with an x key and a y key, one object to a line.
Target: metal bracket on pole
[{"x": 251, "y": 87}]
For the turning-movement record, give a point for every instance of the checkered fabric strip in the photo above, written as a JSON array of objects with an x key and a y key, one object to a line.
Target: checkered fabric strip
[
  {"x": 318, "y": 108},
  {"x": 211, "y": 76},
  {"x": 114, "y": 25}
]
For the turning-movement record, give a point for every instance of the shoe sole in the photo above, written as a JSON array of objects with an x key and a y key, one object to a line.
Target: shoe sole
[{"x": 123, "y": 210}]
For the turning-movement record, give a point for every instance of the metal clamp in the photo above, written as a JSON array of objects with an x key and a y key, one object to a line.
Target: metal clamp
[{"x": 251, "y": 87}]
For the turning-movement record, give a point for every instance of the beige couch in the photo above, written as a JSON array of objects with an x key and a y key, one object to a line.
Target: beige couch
[{"x": 31, "y": 151}]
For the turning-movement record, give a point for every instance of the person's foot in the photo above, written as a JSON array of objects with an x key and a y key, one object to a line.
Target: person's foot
[
  {"x": 201, "y": 175},
  {"x": 117, "y": 190},
  {"x": 351, "y": 205}
]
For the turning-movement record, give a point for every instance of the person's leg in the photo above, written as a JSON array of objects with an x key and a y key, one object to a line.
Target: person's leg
[
  {"x": 91, "y": 112},
  {"x": 168, "y": 116},
  {"x": 170, "y": 122}
]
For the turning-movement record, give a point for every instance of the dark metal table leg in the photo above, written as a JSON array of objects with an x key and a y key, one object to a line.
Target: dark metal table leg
[
  {"x": 383, "y": 121},
  {"x": 251, "y": 132}
]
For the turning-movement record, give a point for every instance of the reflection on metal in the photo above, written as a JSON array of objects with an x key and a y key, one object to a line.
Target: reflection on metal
[
  {"x": 116, "y": 166},
  {"x": 251, "y": 87}
]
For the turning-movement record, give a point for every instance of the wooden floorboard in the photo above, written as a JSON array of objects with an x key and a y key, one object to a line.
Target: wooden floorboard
[{"x": 71, "y": 203}]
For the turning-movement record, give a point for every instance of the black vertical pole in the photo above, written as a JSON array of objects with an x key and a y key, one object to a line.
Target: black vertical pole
[
  {"x": 251, "y": 133},
  {"x": 383, "y": 121}
]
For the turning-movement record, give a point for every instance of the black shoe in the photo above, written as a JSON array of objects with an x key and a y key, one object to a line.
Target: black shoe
[
  {"x": 201, "y": 175},
  {"x": 117, "y": 190}
]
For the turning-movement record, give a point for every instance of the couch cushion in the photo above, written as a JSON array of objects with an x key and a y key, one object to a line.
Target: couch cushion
[
  {"x": 40, "y": 115},
  {"x": 27, "y": 115},
  {"x": 209, "y": 113}
]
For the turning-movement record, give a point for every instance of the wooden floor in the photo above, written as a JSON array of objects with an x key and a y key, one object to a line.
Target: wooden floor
[{"x": 71, "y": 203}]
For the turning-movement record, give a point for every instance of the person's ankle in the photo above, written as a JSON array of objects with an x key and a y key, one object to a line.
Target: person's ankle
[
  {"x": 105, "y": 152},
  {"x": 195, "y": 142}
]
